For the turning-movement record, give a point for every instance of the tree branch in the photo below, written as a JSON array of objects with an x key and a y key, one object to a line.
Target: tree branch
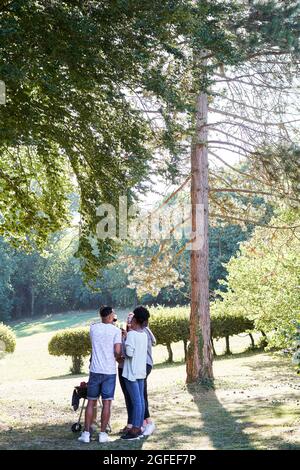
[
  {"x": 251, "y": 191},
  {"x": 251, "y": 121},
  {"x": 227, "y": 143},
  {"x": 254, "y": 222}
]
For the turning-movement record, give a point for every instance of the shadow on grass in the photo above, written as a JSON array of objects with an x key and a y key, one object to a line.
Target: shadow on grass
[
  {"x": 52, "y": 322},
  {"x": 280, "y": 365},
  {"x": 219, "y": 357},
  {"x": 166, "y": 364},
  {"x": 287, "y": 446},
  {"x": 224, "y": 429},
  {"x": 59, "y": 437},
  {"x": 57, "y": 321},
  {"x": 274, "y": 363},
  {"x": 246, "y": 353},
  {"x": 68, "y": 376}
]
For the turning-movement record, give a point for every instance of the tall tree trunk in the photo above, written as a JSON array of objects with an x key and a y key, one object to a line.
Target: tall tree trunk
[
  {"x": 170, "y": 353},
  {"x": 32, "y": 300},
  {"x": 227, "y": 351},
  {"x": 185, "y": 345},
  {"x": 136, "y": 300},
  {"x": 213, "y": 347},
  {"x": 199, "y": 362},
  {"x": 252, "y": 341}
]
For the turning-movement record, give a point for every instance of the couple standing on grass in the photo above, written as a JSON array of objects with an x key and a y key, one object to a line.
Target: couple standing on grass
[{"x": 132, "y": 349}]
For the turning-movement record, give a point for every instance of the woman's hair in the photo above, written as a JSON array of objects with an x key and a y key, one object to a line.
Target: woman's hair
[{"x": 141, "y": 315}]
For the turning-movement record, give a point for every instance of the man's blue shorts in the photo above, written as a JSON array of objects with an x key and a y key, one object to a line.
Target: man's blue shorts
[{"x": 101, "y": 385}]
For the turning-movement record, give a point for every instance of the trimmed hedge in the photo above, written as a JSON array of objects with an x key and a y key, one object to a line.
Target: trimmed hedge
[
  {"x": 7, "y": 339},
  {"x": 168, "y": 324},
  {"x": 224, "y": 326},
  {"x": 74, "y": 342},
  {"x": 171, "y": 324}
]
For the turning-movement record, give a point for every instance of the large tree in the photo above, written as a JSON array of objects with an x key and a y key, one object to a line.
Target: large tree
[
  {"x": 69, "y": 70},
  {"x": 242, "y": 62},
  {"x": 257, "y": 32}
]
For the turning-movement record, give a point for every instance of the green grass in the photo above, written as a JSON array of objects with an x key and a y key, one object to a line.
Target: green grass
[
  {"x": 54, "y": 322},
  {"x": 255, "y": 404}
]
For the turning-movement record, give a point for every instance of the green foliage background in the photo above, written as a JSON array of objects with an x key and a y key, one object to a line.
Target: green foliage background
[{"x": 263, "y": 281}]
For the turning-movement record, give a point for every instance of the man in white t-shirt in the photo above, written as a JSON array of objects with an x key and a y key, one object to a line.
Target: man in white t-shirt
[{"x": 106, "y": 349}]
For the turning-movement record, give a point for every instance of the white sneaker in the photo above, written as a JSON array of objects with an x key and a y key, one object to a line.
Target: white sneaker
[
  {"x": 149, "y": 429},
  {"x": 85, "y": 437},
  {"x": 103, "y": 437}
]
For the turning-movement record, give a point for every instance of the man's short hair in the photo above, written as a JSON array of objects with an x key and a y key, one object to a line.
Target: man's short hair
[
  {"x": 141, "y": 314},
  {"x": 105, "y": 310}
]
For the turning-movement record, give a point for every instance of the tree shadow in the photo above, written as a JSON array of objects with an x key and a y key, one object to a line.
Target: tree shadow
[
  {"x": 227, "y": 430},
  {"x": 246, "y": 353},
  {"x": 288, "y": 446},
  {"x": 224, "y": 429},
  {"x": 57, "y": 321},
  {"x": 219, "y": 357},
  {"x": 281, "y": 369},
  {"x": 67, "y": 376},
  {"x": 53, "y": 322},
  {"x": 166, "y": 364},
  {"x": 274, "y": 363}
]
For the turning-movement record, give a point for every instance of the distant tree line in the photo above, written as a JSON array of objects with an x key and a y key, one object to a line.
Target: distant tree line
[{"x": 33, "y": 284}]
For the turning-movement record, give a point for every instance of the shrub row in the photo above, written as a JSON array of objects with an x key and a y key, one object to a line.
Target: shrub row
[
  {"x": 169, "y": 325},
  {"x": 7, "y": 339}
]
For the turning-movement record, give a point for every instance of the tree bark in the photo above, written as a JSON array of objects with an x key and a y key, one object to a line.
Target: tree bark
[
  {"x": 136, "y": 300},
  {"x": 77, "y": 363},
  {"x": 170, "y": 352},
  {"x": 32, "y": 300},
  {"x": 252, "y": 341},
  {"x": 213, "y": 347},
  {"x": 185, "y": 350},
  {"x": 264, "y": 341},
  {"x": 199, "y": 362},
  {"x": 227, "y": 345}
]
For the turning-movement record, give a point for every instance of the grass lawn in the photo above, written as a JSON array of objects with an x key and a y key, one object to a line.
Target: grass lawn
[{"x": 255, "y": 404}]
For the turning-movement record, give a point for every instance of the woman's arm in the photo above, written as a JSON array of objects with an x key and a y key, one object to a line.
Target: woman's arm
[
  {"x": 151, "y": 335},
  {"x": 129, "y": 344}
]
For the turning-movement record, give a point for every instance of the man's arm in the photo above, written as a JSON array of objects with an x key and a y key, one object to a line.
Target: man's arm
[
  {"x": 118, "y": 351},
  {"x": 118, "y": 344}
]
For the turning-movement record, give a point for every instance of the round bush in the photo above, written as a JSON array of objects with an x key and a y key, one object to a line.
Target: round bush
[
  {"x": 7, "y": 339},
  {"x": 74, "y": 342}
]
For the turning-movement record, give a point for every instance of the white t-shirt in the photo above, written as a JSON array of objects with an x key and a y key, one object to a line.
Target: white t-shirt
[
  {"x": 136, "y": 346},
  {"x": 104, "y": 336}
]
